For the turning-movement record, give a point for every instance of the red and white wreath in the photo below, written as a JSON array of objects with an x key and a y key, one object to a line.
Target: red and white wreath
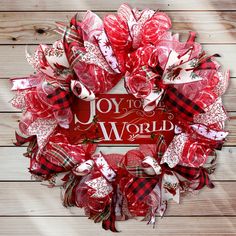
[{"x": 91, "y": 57}]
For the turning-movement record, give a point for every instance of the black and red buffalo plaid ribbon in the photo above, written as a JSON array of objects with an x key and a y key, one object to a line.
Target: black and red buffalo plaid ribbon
[
  {"x": 139, "y": 188},
  {"x": 60, "y": 99},
  {"x": 194, "y": 174},
  {"x": 180, "y": 104},
  {"x": 46, "y": 168}
]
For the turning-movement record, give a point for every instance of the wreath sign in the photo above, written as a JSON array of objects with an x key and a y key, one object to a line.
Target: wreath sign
[{"x": 172, "y": 109}]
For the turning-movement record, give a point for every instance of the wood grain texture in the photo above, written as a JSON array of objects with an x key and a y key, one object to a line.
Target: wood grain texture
[
  {"x": 80, "y": 226},
  {"x": 19, "y": 199},
  {"x": 26, "y": 207},
  {"x": 76, "y": 5},
  {"x": 28, "y": 28},
  {"x": 14, "y": 166},
  {"x": 14, "y": 64}
]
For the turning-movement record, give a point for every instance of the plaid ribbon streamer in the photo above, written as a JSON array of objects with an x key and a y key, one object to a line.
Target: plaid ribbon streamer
[
  {"x": 69, "y": 34},
  {"x": 140, "y": 187},
  {"x": 69, "y": 195},
  {"x": 59, "y": 154},
  {"x": 72, "y": 33},
  {"x": 101, "y": 216},
  {"x": 109, "y": 223},
  {"x": 137, "y": 171},
  {"x": 72, "y": 39},
  {"x": 46, "y": 168},
  {"x": 181, "y": 104},
  {"x": 60, "y": 99}
]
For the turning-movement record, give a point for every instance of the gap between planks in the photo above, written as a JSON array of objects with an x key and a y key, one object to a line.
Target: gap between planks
[
  {"x": 19, "y": 199},
  {"x": 15, "y": 168},
  {"x": 229, "y": 98},
  {"x": 80, "y": 226},
  {"x": 55, "y": 5},
  {"x": 15, "y": 58},
  {"x": 20, "y": 28}
]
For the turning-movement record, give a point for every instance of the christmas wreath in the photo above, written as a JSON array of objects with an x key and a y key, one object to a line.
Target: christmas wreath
[{"x": 158, "y": 70}]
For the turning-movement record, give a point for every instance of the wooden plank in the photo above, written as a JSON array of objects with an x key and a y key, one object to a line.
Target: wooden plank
[
  {"x": 6, "y": 95},
  {"x": 28, "y": 208},
  {"x": 32, "y": 198},
  {"x": 14, "y": 64},
  {"x": 28, "y": 28},
  {"x": 14, "y": 166},
  {"x": 74, "y": 5},
  {"x": 8, "y": 125},
  {"x": 80, "y": 226}
]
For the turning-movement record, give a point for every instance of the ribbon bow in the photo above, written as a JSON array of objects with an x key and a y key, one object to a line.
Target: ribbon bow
[{"x": 184, "y": 65}]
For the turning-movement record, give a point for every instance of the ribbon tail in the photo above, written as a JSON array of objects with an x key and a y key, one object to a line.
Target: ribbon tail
[
  {"x": 177, "y": 102},
  {"x": 195, "y": 174},
  {"x": 20, "y": 140},
  {"x": 204, "y": 180},
  {"x": 109, "y": 223},
  {"x": 69, "y": 194}
]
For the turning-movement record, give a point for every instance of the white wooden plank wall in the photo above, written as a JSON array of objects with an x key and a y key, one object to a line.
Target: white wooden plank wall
[{"x": 26, "y": 207}]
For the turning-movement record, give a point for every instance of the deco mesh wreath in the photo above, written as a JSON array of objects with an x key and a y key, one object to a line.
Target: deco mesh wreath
[{"x": 91, "y": 57}]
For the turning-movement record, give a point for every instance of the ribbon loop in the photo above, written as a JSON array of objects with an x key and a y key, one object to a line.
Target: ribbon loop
[
  {"x": 154, "y": 168},
  {"x": 81, "y": 91},
  {"x": 84, "y": 168},
  {"x": 104, "y": 167}
]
